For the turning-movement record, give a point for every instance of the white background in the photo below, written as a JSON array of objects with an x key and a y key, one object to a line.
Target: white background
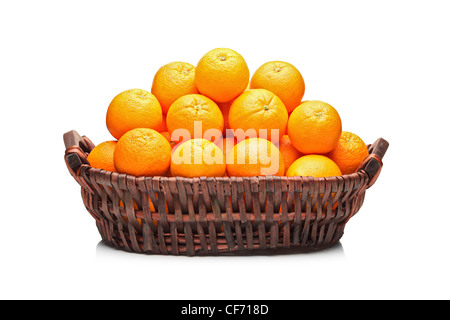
[{"x": 383, "y": 65}]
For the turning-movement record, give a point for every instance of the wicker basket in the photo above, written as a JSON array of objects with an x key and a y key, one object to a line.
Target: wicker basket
[{"x": 223, "y": 215}]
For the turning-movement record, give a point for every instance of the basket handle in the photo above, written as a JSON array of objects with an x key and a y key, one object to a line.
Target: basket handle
[
  {"x": 373, "y": 163},
  {"x": 77, "y": 149},
  {"x": 72, "y": 138}
]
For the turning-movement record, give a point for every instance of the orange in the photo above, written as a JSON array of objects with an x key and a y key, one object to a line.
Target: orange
[
  {"x": 163, "y": 126},
  {"x": 225, "y": 108},
  {"x": 197, "y": 158},
  {"x": 225, "y": 144},
  {"x": 222, "y": 74},
  {"x": 289, "y": 153},
  {"x": 283, "y": 79},
  {"x": 142, "y": 152},
  {"x": 314, "y": 165},
  {"x": 188, "y": 109},
  {"x": 257, "y": 112},
  {"x": 102, "y": 156},
  {"x": 314, "y": 127},
  {"x": 172, "y": 81},
  {"x": 134, "y": 108},
  {"x": 166, "y": 135},
  {"x": 254, "y": 157},
  {"x": 349, "y": 152}
]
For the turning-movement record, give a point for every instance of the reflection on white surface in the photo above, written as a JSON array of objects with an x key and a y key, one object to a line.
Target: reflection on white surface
[
  {"x": 105, "y": 251},
  {"x": 280, "y": 276}
]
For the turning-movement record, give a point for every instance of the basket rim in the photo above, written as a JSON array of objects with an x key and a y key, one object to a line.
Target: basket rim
[
  {"x": 78, "y": 148},
  {"x": 92, "y": 178},
  {"x": 103, "y": 172}
]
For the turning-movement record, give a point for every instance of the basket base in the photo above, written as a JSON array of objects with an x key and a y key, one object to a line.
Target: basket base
[
  {"x": 335, "y": 249},
  {"x": 336, "y": 246}
]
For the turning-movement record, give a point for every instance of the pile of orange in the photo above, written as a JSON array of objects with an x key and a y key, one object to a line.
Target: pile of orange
[{"x": 214, "y": 120}]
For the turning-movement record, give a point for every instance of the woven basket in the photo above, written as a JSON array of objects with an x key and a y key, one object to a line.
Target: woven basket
[{"x": 223, "y": 215}]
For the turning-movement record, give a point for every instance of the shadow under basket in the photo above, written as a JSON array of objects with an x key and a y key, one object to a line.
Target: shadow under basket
[{"x": 220, "y": 215}]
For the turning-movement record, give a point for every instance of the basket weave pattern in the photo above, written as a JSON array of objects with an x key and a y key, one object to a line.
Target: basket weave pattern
[{"x": 223, "y": 215}]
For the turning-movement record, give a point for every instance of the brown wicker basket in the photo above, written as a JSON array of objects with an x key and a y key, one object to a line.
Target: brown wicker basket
[{"x": 223, "y": 215}]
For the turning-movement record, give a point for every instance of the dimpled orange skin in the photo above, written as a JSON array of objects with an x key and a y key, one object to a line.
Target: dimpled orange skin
[
  {"x": 172, "y": 81},
  {"x": 194, "y": 107},
  {"x": 314, "y": 127},
  {"x": 102, "y": 156},
  {"x": 289, "y": 153},
  {"x": 283, "y": 79},
  {"x": 349, "y": 152},
  {"x": 314, "y": 165},
  {"x": 222, "y": 74},
  {"x": 142, "y": 152},
  {"x": 254, "y": 157},
  {"x": 197, "y": 158},
  {"x": 256, "y": 110},
  {"x": 134, "y": 108}
]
